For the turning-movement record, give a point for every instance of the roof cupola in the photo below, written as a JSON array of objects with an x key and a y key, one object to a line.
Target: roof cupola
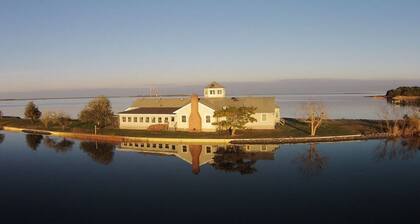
[{"x": 214, "y": 90}]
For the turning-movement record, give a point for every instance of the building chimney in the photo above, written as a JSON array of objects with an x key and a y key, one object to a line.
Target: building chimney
[{"x": 195, "y": 118}]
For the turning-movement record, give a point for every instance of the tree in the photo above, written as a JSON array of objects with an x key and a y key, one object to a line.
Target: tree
[
  {"x": 234, "y": 118},
  {"x": 312, "y": 162},
  {"x": 98, "y": 112},
  {"x": 63, "y": 120},
  {"x": 33, "y": 141},
  {"x": 53, "y": 118},
  {"x": 314, "y": 115},
  {"x": 100, "y": 152},
  {"x": 59, "y": 146},
  {"x": 234, "y": 160},
  {"x": 32, "y": 112},
  {"x": 403, "y": 91},
  {"x": 397, "y": 125},
  {"x": 48, "y": 118},
  {"x": 1, "y": 114}
]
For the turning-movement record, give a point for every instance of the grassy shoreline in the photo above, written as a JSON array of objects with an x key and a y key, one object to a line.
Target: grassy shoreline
[{"x": 292, "y": 128}]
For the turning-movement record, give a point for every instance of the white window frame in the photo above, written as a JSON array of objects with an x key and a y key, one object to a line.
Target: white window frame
[
  {"x": 263, "y": 117},
  {"x": 208, "y": 119}
]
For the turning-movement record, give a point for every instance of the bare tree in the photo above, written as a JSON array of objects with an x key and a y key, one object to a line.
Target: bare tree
[
  {"x": 314, "y": 113},
  {"x": 55, "y": 118},
  {"x": 63, "y": 120},
  {"x": 396, "y": 125},
  {"x": 48, "y": 118}
]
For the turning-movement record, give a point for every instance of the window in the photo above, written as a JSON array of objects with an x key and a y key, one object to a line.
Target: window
[
  {"x": 135, "y": 119},
  {"x": 264, "y": 148},
  {"x": 184, "y": 148},
  {"x": 166, "y": 146},
  {"x": 142, "y": 145},
  {"x": 141, "y": 119},
  {"x": 154, "y": 146},
  {"x": 136, "y": 145},
  {"x": 153, "y": 120},
  {"x": 173, "y": 119},
  {"x": 159, "y": 120},
  {"x": 219, "y": 91},
  {"x": 147, "y": 119},
  {"x": 148, "y": 145},
  {"x": 160, "y": 146},
  {"x": 124, "y": 119},
  {"x": 208, "y": 149},
  {"x": 208, "y": 119},
  {"x": 264, "y": 117},
  {"x": 212, "y": 92},
  {"x": 129, "y": 119},
  {"x": 184, "y": 119},
  {"x": 166, "y": 119},
  {"x": 173, "y": 147}
]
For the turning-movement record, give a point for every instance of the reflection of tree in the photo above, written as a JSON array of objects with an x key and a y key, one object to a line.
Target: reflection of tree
[
  {"x": 1, "y": 138},
  {"x": 404, "y": 102},
  {"x": 395, "y": 149},
  {"x": 233, "y": 160},
  {"x": 59, "y": 146},
  {"x": 33, "y": 141},
  {"x": 312, "y": 162},
  {"x": 99, "y": 151}
]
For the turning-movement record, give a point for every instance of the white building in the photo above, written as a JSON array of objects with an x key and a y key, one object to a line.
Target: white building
[{"x": 175, "y": 113}]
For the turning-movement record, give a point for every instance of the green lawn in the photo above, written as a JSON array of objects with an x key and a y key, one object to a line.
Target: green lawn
[{"x": 292, "y": 128}]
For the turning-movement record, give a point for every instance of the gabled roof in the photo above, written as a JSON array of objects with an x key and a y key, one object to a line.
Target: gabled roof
[
  {"x": 161, "y": 102},
  {"x": 263, "y": 104},
  {"x": 214, "y": 85},
  {"x": 151, "y": 110}
]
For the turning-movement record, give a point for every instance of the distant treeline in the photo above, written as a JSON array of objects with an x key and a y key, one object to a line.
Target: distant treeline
[{"x": 403, "y": 91}]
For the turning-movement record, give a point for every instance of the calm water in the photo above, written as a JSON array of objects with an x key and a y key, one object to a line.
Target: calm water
[
  {"x": 338, "y": 105},
  {"x": 52, "y": 180}
]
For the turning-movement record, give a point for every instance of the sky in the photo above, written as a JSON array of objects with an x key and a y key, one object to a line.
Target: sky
[{"x": 74, "y": 44}]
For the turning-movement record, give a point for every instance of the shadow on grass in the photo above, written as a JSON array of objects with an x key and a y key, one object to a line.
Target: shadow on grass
[{"x": 293, "y": 123}]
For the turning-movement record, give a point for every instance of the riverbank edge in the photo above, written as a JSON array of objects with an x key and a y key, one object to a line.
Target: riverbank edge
[{"x": 118, "y": 139}]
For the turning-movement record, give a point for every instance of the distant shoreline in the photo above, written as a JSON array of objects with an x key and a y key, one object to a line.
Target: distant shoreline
[
  {"x": 176, "y": 95},
  {"x": 81, "y": 97}
]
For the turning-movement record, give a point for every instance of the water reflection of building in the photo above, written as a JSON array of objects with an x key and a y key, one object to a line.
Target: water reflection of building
[{"x": 199, "y": 155}]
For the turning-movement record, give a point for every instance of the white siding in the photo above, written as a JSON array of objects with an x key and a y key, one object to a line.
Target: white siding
[
  {"x": 214, "y": 92},
  {"x": 203, "y": 110},
  {"x": 141, "y": 123}
]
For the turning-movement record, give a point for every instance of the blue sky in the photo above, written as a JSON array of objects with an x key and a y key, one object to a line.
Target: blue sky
[{"x": 60, "y": 44}]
